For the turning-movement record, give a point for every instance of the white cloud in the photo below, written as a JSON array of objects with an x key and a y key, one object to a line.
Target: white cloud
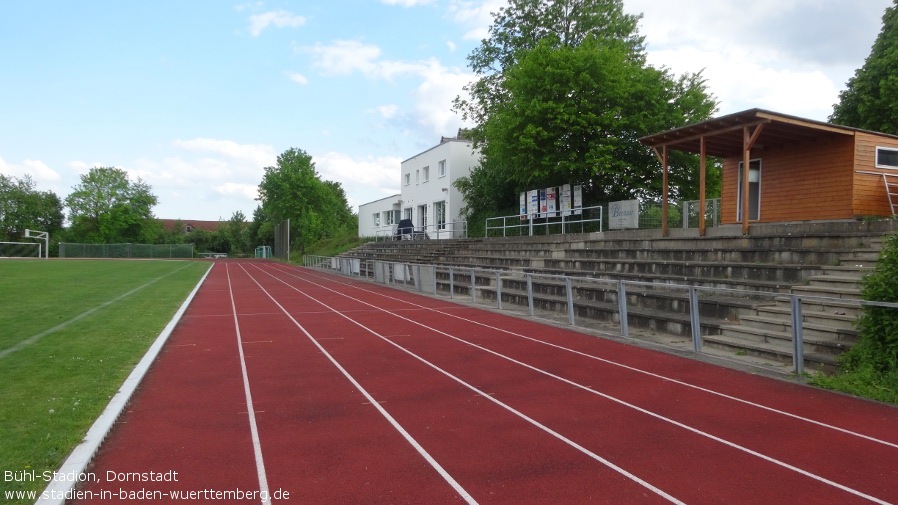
[
  {"x": 387, "y": 111},
  {"x": 476, "y": 17},
  {"x": 364, "y": 180},
  {"x": 432, "y": 98},
  {"x": 261, "y": 155},
  {"x": 38, "y": 170},
  {"x": 297, "y": 78},
  {"x": 407, "y": 3},
  {"x": 280, "y": 19}
]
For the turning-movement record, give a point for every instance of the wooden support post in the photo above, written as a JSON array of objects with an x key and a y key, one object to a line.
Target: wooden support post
[
  {"x": 701, "y": 184},
  {"x": 664, "y": 230},
  {"x": 748, "y": 140},
  {"x": 746, "y": 162}
]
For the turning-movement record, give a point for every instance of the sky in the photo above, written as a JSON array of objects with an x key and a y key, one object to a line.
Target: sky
[{"x": 197, "y": 97}]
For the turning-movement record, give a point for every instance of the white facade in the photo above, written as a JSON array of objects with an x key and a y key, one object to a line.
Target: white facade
[
  {"x": 378, "y": 215},
  {"x": 428, "y": 196}
]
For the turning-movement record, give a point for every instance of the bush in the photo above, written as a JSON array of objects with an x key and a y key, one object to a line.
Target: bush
[{"x": 870, "y": 367}]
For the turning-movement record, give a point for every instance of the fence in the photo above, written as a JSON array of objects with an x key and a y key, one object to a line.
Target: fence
[
  {"x": 158, "y": 251},
  {"x": 588, "y": 219},
  {"x": 467, "y": 281},
  {"x": 449, "y": 229}
]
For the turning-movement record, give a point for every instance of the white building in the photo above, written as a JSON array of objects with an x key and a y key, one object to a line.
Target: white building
[{"x": 428, "y": 196}]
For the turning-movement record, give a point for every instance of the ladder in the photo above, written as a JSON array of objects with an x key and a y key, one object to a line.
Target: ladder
[{"x": 892, "y": 191}]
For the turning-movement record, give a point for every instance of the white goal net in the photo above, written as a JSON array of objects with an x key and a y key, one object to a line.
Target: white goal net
[{"x": 20, "y": 250}]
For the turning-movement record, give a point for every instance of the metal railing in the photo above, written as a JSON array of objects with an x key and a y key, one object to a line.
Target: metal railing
[
  {"x": 594, "y": 219},
  {"x": 432, "y": 278},
  {"x": 449, "y": 229},
  {"x": 587, "y": 219}
]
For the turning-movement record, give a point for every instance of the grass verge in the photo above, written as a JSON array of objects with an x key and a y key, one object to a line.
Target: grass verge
[{"x": 52, "y": 389}]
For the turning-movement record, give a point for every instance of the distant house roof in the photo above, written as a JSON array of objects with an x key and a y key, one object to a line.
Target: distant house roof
[{"x": 191, "y": 224}]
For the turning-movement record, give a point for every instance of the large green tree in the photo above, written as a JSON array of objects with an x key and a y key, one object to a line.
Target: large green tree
[
  {"x": 870, "y": 100},
  {"x": 23, "y": 207},
  {"x": 107, "y": 207},
  {"x": 563, "y": 95},
  {"x": 293, "y": 190}
]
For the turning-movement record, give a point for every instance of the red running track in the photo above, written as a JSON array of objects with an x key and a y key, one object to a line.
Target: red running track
[{"x": 365, "y": 394}]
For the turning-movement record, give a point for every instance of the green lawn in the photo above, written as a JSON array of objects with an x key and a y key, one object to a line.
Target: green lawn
[{"x": 53, "y": 388}]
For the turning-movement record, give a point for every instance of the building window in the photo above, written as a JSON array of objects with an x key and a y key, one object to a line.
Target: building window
[
  {"x": 417, "y": 177},
  {"x": 426, "y": 174},
  {"x": 407, "y": 213},
  {"x": 408, "y": 179},
  {"x": 886, "y": 157},
  {"x": 377, "y": 219},
  {"x": 441, "y": 169},
  {"x": 439, "y": 215},
  {"x": 754, "y": 191},
  {"x": 390, "y": 217}
]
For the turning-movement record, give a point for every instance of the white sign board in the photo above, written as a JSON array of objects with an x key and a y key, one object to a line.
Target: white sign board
[
  {"x": 623, "y": 214},
  {"x": 533, "y": 203},
  {"x": 566, "y": 200},
  {"x": 578, "y": 199},
  {"x": 552, "y": 202}
]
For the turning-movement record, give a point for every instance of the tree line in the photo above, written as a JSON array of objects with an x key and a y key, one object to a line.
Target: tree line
[{"x": 108, "y": 207}]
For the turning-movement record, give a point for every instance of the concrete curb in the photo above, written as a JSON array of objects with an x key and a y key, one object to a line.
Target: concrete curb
[{"x": 59, "y": 490}]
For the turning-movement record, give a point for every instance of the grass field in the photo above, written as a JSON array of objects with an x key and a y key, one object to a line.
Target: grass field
[{"x": 70, "y": 333}]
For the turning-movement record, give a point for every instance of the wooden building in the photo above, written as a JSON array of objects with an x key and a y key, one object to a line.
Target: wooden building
[{"x": 799, "y": 169}]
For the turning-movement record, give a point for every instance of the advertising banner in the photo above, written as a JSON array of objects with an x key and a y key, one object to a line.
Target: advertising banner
[
  {"x": 552, "y": 202},
  {"x": 623, "y": 214},
  {"x": 578, "y": 199},
  {"x": 566, "y": 200},
  {"x": 533, "y": 203}
]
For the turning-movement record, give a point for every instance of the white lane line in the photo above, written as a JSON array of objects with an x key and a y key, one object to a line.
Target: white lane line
[
  {"x": 32, "y": 339},
  {"x": 76, "y": 463},
  {"x": 628, "y": 367},
  {"x": 483, "y": 394},
  {"x": 254, "y": 430},
  {"x": 408, "y": 437},
  {"x": 697, "y": 431}
]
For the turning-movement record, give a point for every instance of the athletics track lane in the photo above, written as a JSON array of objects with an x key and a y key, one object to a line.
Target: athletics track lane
[
  {"x": 784, "y": 437},
  {"x": 313, "y": 451}
]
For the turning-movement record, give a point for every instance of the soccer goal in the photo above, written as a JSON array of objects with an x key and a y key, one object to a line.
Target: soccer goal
[
  {"x": 263, "y": 251},
  {"x": 20, "y": 249}
]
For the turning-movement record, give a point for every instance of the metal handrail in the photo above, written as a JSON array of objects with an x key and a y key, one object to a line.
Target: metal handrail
[{"x": 339, "y": 264}]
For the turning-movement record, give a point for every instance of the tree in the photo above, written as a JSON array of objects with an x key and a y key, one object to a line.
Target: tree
[
  {"x": 569, "y": 98},
  {"x": 870, "y": 100},
  {"x": 524, "y": 23},
  {"x": 107, "y": 207},
  {"x": 293, "y": 190},
  {"x": 23, "y": 207},
  {"x": 236, "y": 232}
]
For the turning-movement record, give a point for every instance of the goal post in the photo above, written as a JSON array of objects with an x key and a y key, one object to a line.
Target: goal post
[
  {"x": 40, "y": 235},
  {"x": 20, "y": 250}
]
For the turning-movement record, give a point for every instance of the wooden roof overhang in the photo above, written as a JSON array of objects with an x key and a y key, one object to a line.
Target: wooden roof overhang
[{"x": 737, "y": 135}]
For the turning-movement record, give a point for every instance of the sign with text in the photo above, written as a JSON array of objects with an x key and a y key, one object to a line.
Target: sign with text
[
  {"x": 551, "y": 202},
  {"x": 566, "y": 202},
  {"x": 623, "y": 214}
]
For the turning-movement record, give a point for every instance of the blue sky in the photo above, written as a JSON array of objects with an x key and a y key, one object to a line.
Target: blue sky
[{"x": 197, "y": 97}]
